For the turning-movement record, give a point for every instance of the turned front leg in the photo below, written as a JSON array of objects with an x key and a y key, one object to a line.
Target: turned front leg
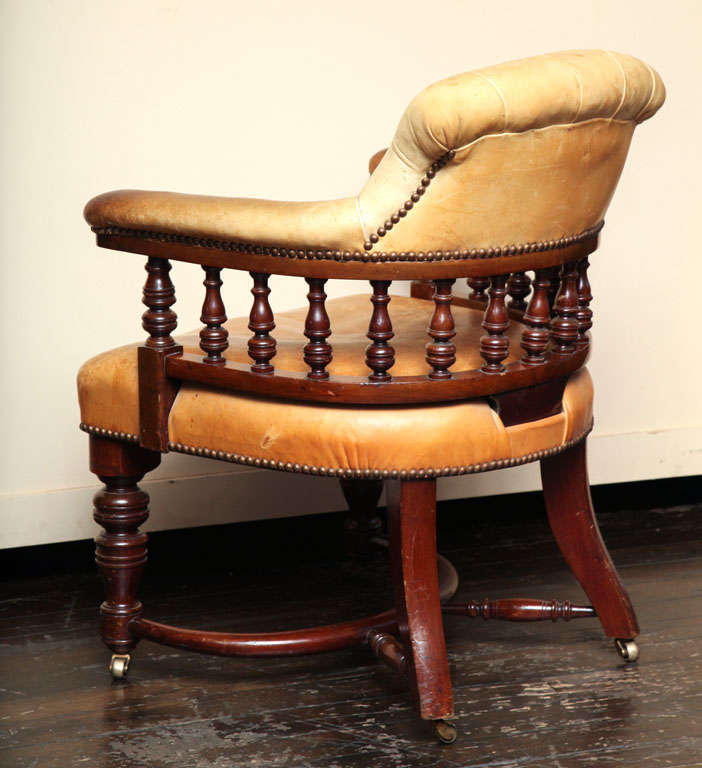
[{"x": 120, "y": 508}]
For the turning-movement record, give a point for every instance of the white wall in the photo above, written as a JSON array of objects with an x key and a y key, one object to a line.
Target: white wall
[{"x": 288, "y": 100}]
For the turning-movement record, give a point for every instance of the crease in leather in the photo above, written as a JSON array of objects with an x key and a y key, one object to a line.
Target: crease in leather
[
  {"x": 652, "y": 73},
  {"x": 622, "y": 101},
  {"x": 437, "y": 141},
  {"x": 364, "y": 234},
  {"x": 401, "y": 155},
  {"x": 498, "y": 91},
  {"x": 500, "y": 134},
  {"x": 578, "y": 79}
]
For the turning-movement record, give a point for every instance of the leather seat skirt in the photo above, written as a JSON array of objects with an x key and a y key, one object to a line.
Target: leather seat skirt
[{"x": 441, "y": 439}]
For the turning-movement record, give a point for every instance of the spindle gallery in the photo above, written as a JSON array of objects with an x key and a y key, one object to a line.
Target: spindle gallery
[
  {"x": 479, "y": 368},
  {"x": 261, "y": 344}
]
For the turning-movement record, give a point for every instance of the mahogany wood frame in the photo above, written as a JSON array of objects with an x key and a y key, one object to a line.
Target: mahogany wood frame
[
  {"x": 358, "y": 390},
  {"x": 409, "y": 638}
]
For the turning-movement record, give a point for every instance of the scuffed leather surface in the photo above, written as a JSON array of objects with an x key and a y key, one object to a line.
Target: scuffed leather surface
[
  {"x": 348, "y": 437},
  {"x": 332, "y": 436},
  {"x": 327, "y": 224},
  {"x": 539, "y": 146}
]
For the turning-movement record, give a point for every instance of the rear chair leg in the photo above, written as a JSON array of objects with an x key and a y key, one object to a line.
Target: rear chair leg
[
  {"x": 412, "y": 528},
  {"x": 362, "y": 522},
  {"x": 573, "y": 522},
  {"x": 120, "y": 552}
]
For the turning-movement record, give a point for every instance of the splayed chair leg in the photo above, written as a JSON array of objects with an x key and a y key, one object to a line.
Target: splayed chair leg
[{"x": 573, "y": 522}]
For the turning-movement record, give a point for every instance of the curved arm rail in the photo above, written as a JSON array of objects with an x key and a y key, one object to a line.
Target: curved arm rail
[{"x": 349, "y": 265}]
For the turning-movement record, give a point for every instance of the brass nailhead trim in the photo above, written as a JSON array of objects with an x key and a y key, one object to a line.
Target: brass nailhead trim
[
  {"x": 114, "y": 435},
  {"x": 414, "y": 198},
  {"x": 401, "y": 474},
  {"x": 310, "y": 254}
]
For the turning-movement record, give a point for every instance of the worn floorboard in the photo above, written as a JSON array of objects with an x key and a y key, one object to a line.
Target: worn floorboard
[{"x": 526, "y": 694}]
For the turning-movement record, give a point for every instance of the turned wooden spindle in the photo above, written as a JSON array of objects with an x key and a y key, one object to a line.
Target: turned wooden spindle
[
  {"x": 159, "y": 295},
  {"x": 564, "y": 326},
  {"x": 388, "y": 649},
  {"x": 535, "y": 336},
  {"x": 261, "y": 322},
  {"x": 441, "y": 352},
  {"x": 584, "y": 313},
  {"x": 478, "y": 287},
  {"x": 520, "y": 609},
  {"x": 213, "y": 337},
  {"x": 494, "y": 346},
  {"x": 380, "y": 356},
  {"x": 554, "y": 277},
  {"x": 518, "y": 288},
  {"x": 317, "y": 354},
  {"x": 156, "y": 390}
]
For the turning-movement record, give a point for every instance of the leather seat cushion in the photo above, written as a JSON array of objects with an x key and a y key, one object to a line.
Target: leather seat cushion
[{"x": 448, "y": 438}]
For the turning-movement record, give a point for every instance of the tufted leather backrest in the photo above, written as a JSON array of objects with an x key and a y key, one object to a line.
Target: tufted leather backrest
[{"x": 525, "y": 151}]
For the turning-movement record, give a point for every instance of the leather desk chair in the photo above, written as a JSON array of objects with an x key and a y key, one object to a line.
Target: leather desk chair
[{"x": 492, "y": 176}]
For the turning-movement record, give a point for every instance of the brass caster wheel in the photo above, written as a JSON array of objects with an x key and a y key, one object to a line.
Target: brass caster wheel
[
  {"x": 119, "y": 665},
  {"x": 627, "y": 649},
  {"x": 445, "y": 731}
]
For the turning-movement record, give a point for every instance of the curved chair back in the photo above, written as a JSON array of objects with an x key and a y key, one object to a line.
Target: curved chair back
[{"x": 516, "y": 153}]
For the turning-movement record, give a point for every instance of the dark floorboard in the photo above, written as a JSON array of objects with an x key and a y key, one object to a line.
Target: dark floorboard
[{"x": 526, "y": 694}]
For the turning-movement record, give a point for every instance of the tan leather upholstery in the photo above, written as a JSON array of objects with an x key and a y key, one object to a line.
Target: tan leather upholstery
[
  {"x": 559, "y": 125},
  {"x": 329, "y": 224},
  {"x": 458, "y": 436}
]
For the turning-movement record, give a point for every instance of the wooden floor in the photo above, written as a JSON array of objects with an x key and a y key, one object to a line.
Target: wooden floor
[{"x": 526, "y": 694}]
